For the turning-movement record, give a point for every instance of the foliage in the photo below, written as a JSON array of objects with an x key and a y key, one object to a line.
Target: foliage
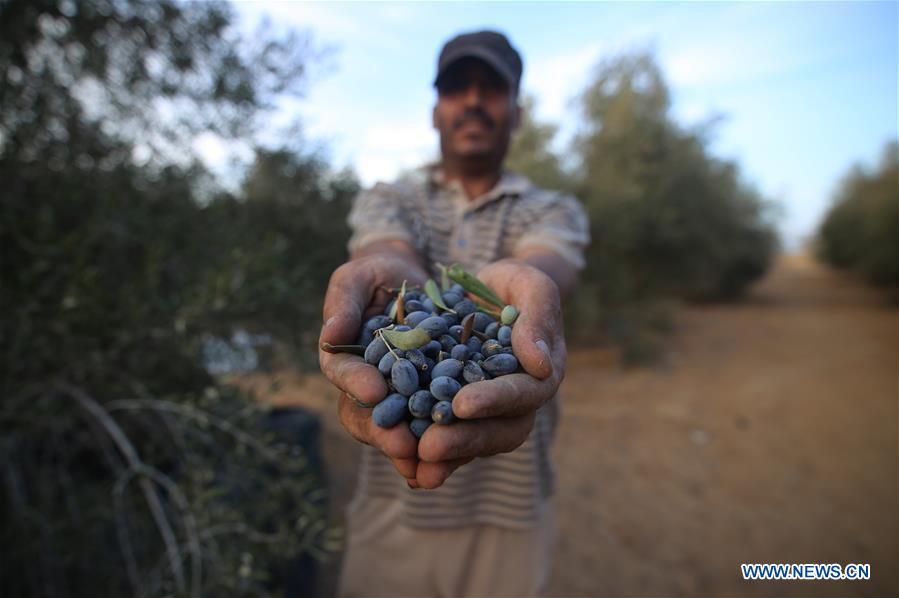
[
  {"x": 127, "y": 468},
  {"x": 154, "y": 74},
  {"x": 668, "y": 220},
  {"x": 278, "y": 242},
  {"x": 176, "y": 494},
  {"x": 531, "y": 153},
  {"x": 666, "y": 216},
  {"x": 860, "y": 232}
]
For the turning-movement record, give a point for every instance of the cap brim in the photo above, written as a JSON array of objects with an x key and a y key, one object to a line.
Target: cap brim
[{"x": 484, "y": 54}]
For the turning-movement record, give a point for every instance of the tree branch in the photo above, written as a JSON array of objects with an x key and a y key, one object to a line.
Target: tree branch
[
  {"x": 138, "y": 466},
  {"x": 197, "y": 415}
]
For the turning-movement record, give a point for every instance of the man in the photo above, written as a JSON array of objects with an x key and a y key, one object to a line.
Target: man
[{"x": 467, "y": 510}]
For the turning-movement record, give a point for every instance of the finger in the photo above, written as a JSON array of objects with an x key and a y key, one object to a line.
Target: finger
[
  {"x": 408, "y": 468},
  {"x": 523, "y": 286},
  {"x": 357, "y": 421},
  {"x": 433, "y": 475},
  {"x": 533, "y": 351},
  {"x": 507, "y": 396},
  {"x": 349, "y": 293},
  {"x": 539, "y": 325},
  {"x": 537, "y": 329},
  {"x": 353, "y": 376},
  {"x": 476, "y": 438},
  {"x": 397, "y": 442}
]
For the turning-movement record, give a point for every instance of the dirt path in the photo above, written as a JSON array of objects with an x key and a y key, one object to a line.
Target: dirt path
[{"x": 769, "y": 436}]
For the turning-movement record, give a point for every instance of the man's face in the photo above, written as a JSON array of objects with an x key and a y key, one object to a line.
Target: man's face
[{"x": 476, "y": 112}]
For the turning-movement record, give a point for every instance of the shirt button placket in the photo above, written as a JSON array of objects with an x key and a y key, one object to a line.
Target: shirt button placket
[{"x": 462, "y": 241}]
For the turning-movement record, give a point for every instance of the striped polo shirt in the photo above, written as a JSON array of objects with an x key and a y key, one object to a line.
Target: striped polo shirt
[{"x": 438, "y": 219}]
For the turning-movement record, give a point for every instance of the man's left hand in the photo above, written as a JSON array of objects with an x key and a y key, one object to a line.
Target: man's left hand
[{"x": 496, "y": 416}]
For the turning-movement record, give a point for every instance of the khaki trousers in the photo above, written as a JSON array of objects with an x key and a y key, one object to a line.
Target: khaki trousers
[{"x": 384, "y": 557}]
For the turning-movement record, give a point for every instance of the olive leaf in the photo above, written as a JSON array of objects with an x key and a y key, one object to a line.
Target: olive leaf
[
  {"x": 401, "y": 304},
  {"x": 444, "y": 279},
  {"x": 392, "y": 313},
  {"x": 467, "y": 327},
  {"x": 474, "y": 286},
  {"x": 396, "y": 307},
  {"x": 380, "y": 334},
  {"x": 354, "y": 349},
  {"x": 433, "y": 294},
  {"x": 407, "y": 339}
]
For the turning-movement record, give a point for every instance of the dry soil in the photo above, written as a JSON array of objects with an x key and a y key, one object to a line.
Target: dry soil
[{"x": 769, "y": 434}]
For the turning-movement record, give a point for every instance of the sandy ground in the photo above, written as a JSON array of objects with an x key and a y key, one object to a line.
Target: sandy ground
[{"x": 768, "y": 435}]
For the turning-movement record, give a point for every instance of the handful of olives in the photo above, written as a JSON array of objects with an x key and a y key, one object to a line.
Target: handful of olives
[{"x": 430, "y": 342}]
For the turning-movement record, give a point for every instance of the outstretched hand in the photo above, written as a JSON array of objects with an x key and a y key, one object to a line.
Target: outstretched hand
[
  {"x": 356, "y": 291},
  {"x": 497, "y": 415}
]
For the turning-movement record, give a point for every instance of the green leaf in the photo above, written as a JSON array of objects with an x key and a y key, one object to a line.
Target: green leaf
[
  {"x": 407, "y": 339},
  {"x": 433, "y": 294},
  {"x": 393, "y": 308},
  {"x": 444, "y": 280},
  {"x": 474, "y": 286}
]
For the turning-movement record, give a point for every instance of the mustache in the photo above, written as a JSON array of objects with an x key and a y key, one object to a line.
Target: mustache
[{"x": 474, "y": 114}]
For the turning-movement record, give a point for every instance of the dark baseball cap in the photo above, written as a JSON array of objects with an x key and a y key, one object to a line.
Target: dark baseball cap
[{"x": 490, "y": 46}]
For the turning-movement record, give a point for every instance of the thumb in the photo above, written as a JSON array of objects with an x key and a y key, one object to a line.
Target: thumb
[
  {"x": 340, "y": 329},
  {"x": 533, "y": 353}
]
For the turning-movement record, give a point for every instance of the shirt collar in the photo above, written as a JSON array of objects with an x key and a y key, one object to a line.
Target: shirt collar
[{"x": 509, "y": 184}]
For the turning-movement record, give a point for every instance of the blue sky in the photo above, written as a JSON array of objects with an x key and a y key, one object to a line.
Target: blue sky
[{"x": 805, "y": 89}]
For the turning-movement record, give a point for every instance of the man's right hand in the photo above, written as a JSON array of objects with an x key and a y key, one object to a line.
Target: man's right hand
[{"x": 357, "y": 291}]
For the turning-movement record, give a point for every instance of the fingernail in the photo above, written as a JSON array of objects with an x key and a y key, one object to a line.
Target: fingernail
[
  {"x": 330, "y": 321},
  {"x": 413, "y": 484}
]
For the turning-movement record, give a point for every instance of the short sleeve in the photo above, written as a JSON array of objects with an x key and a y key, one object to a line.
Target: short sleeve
[
  {"x": 563, "y": 227},
  {"x": 379, "y": 214}
]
